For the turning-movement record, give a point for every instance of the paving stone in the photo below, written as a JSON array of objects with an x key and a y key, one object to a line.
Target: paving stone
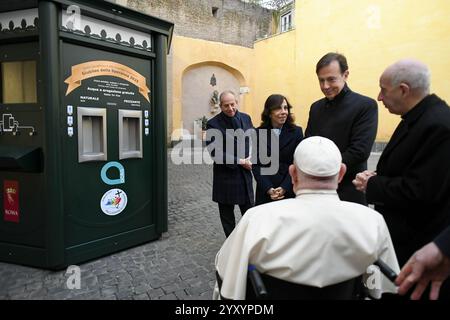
[
  {"x": 104, "y": 277},
  {"x": 90, "y": 281},
  {"x": 194, "y": 282},
  {"x": 168, "y": 297},
  {"x": 187, "y": 275},
  {"x": 141, "y": 289},
  {"x": 181, "y": 294},
  {"x": 38, "y": 294},
  {"x": 110, "y": 282},
  {"x": 155, "y": 293},
  {"x": 205, "y": 296},
  {"x": 202, "y": 289},
  {"x": 170, "y": 288},
  {"x": 20, "y": 296},
  {"x": 108, "y": 291},
  {"x": 91, "y": 295},
  {"x": 142, "y": 296},
  {"x": 63, "y": 295},
  {"x": 57, "y": 290},
  {"x": 16, "y": 290},
  {"x": 34, "y": 286}
]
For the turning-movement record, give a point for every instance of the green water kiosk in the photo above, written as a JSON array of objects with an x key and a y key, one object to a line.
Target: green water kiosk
[{"x": 83, "y": 158}]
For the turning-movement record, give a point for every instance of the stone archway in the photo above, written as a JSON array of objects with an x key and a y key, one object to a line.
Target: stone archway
[{"x": 198, "y": 89}]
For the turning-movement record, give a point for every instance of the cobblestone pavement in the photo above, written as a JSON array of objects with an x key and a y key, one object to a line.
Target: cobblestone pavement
[{"x": 179, "y": 266}]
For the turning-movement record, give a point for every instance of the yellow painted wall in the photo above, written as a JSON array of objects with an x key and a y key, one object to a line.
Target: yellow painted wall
[
  {"x": 275, "y": 72},
  {"x": 372, "y": 35}
]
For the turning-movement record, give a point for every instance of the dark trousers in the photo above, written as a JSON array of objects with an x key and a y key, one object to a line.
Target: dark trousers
[{"x": 227, "y": 216}]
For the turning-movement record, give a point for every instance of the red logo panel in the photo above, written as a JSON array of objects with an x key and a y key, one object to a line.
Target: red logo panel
[{"x": 11, "y": 200}]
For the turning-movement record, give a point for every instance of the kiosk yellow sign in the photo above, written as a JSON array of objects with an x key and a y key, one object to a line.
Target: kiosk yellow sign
[{"x": 106, "y": 68}]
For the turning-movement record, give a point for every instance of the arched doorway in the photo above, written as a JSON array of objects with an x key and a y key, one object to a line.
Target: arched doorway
[{"x": 199, "y": 83}]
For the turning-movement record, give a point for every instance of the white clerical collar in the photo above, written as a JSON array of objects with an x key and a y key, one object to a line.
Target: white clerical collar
[{"x": 315, "y": 191}]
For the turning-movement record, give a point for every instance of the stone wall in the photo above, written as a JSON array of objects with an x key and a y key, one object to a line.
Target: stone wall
[{"x": 233, "y": 21}]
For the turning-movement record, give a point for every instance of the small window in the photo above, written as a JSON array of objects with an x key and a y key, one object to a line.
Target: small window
[
  {"x": 18, "y": 79},
  {"x": 215, "y": 10},
  {"x": 286, "y": 22}
]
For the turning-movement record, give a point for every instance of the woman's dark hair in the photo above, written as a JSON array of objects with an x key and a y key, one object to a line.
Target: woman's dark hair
[{"x": 273, "y": 102}]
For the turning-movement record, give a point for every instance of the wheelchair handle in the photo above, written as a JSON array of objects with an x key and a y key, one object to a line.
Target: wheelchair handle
[
  {"x": 386, "y": 270},
  {"x": 257, "y": 283}
]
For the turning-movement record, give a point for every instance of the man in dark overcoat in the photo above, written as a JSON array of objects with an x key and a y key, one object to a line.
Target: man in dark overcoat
[
  {"x": 411, "y": 186},
  {"x": 232, "y": 169},
  {"x": 347, "y": 118}
]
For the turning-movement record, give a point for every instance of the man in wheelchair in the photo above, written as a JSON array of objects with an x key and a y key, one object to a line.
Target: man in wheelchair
[{"x": 311, "y": 247}]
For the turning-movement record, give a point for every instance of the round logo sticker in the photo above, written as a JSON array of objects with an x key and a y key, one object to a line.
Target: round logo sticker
[{"x": 113, "y": 202}]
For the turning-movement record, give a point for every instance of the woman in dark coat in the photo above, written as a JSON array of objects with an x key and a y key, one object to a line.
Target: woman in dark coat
[{"x": 277, "y": 123}]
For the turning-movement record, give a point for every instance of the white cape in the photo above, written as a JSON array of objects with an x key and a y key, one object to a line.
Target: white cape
[{"x": 315, "y": 240}]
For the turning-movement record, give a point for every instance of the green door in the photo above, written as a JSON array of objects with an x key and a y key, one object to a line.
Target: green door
[{"x": 106, "y": 119}]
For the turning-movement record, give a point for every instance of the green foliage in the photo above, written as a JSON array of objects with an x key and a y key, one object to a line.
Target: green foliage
[{"x": 270, "y": 4}]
